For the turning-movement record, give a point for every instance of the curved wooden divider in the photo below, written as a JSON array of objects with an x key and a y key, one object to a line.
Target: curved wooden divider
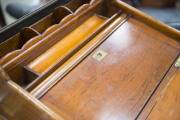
[
  {"x": 81, "y": 9},
  {"x": 28, "y": 33},
  {"x": 61, "y": 12}
]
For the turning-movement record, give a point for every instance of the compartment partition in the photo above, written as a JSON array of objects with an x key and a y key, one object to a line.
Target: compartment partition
[{"x": 29, "y": 76}]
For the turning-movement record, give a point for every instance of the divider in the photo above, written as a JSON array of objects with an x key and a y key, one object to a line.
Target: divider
[
  {"x": 61, "y": 12},
  {"x": 27, "y": 33},
  {"x": 29, "y": 76}
]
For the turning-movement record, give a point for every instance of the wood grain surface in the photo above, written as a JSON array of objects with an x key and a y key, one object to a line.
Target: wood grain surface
[
  {"x": 118, "y": 86},
  {"x": 152, "y": 101},
  {"x": 55, "y": 53},
  {"x": 168, "y": 104}
]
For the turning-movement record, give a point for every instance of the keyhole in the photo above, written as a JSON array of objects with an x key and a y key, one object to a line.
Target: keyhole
[{"x": 99, "y": 55}]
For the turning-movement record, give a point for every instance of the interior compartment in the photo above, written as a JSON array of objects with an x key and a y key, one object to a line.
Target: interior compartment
[{"x": 21, "y": 61}]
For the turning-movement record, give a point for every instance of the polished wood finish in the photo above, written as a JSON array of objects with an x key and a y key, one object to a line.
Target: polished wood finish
[
  {"x": 119, "y": 85},
  {"x": 168, "y": 105},
  {"x": 49, "y": 72},
  {"x": 55, "y": 53},
  {"x": 153, "y": 99}
]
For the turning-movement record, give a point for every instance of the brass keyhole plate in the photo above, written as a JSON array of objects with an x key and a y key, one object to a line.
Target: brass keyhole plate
[{"x": 99, "y": 55}]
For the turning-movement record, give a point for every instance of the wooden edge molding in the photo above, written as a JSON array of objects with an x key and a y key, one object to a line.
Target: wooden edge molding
[
  {"x": 56, "y": 76},
  {"x": 172, "y": 32}
]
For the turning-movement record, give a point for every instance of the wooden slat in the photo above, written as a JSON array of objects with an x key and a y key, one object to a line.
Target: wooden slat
[{"x": 118, "y": 86}]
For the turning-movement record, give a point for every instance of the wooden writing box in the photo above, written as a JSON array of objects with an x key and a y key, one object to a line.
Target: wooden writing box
[{"x": 91, "y": 59}]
